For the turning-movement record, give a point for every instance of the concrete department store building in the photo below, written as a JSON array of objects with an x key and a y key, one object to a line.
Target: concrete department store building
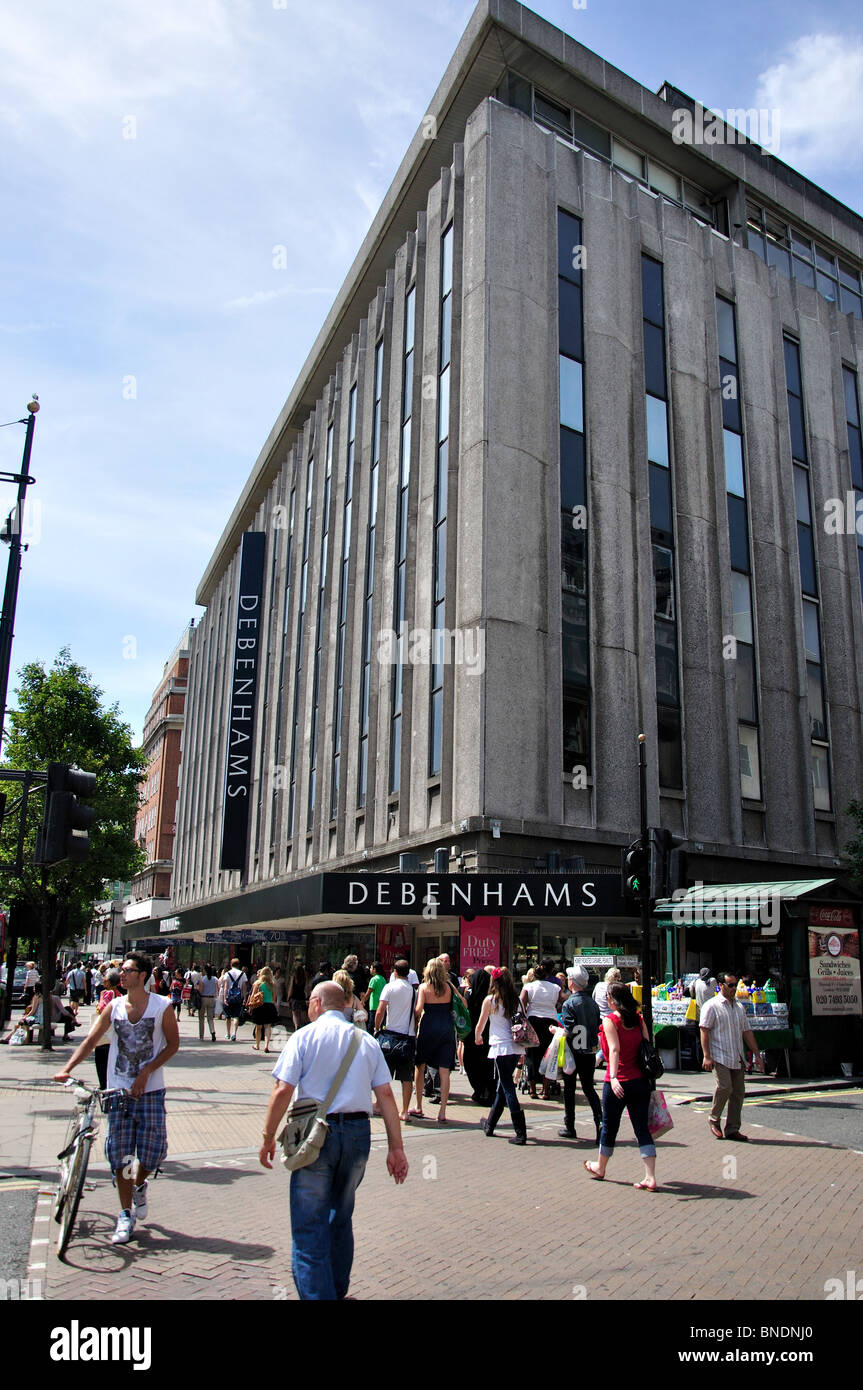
[{"x": 558, "y": 469}]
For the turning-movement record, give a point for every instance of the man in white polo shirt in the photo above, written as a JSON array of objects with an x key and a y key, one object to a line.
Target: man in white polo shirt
[
  {"x": 724, "y": 1029},
  {"x": 322, "y": 1194}
]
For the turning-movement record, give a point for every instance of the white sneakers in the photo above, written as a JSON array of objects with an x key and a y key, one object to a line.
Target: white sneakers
[
  {"x": 125, "y": 1228},
  {"x": 139, "y": 1201}
]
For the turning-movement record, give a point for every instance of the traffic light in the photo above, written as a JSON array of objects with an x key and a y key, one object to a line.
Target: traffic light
[
  {"x": 57, "y": 840},
  {"x": 667, "y": 864},
  {"x": 635, "y": 874}
]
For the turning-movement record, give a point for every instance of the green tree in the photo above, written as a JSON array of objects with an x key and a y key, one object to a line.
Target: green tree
[
  {"x": 853, "y": 851},
  {"x": 60, "y": 719}
]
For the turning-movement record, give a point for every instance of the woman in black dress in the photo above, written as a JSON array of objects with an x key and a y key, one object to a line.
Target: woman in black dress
[
  {"x": 479, "y": 1070},
  {"x": 435, "y": 1035}
]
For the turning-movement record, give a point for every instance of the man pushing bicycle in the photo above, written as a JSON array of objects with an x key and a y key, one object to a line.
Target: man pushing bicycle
[{"x": 143, "y": 1037}]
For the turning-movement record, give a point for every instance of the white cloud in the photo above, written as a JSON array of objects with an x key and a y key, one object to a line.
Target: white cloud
[{"x": 817, "y": 88}]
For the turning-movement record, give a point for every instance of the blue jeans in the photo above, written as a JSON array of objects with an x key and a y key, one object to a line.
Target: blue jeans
[
  {"x": 322, "y": 1206},
  {"x": 636, "y": 1100},
  {"x": 506, "y": 1093}
]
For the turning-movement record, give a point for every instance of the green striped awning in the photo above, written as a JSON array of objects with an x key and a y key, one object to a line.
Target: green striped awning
[{"x": 733, "y": 904}]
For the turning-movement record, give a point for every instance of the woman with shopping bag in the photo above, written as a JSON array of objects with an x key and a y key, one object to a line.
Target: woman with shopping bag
[{"x": 626, "y": 1087}]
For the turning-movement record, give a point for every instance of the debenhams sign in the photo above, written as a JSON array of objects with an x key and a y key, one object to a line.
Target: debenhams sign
[
  {"x": 466, "y": 895},
  {"x": 244, "y": 687}
]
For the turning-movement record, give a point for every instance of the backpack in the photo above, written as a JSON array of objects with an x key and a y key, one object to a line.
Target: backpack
[{"x": 234, "y": 993}]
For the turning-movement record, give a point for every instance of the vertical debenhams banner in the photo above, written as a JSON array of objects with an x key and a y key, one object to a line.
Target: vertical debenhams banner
[{"x": 244, "y": 687}]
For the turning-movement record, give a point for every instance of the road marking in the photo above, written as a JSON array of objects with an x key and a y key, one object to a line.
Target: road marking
[
  {"x": 754, "y": 1099},
  {"x": 41, "y": 1266},
  {"x": 40, "y": 1241},
  {"x": 18, "y": 1185}
]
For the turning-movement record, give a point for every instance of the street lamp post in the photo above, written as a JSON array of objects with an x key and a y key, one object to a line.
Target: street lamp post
[
  {"x": 12, "y": 535},
  {"x": 646, "y": 979}
]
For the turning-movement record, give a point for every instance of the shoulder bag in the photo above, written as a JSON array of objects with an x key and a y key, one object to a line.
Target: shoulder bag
[
  {"x": 648, "y": 1058},
  {"x": 400, "y": 1047},
  {"x": 305, "y": 1120},
  {"x": 523, "y": 1031},
  {"x": 460, "y": 1016}
]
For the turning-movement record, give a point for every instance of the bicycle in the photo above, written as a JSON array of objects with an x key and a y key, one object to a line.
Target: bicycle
[{"x": 75, "y": 1154}]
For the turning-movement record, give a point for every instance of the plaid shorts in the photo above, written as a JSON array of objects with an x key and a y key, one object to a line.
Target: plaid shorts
[{"x": 139, "y": 1133}]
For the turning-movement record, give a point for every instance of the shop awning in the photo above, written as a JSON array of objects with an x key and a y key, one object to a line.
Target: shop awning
[{"x": 734, "y": 904}]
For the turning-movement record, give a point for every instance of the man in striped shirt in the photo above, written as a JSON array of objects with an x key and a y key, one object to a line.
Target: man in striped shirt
[{"x": 724, "y": 1030}]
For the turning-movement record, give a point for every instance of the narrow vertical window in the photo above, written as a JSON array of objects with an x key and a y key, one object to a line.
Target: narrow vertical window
[
  {"x": 820, "y": 749},
  {"x": 266, "y": 693},
  {"x": 286, "y": 618},
  {"x": 741, "y": 565},
  {"x": 369, "y": 586},
  {"x": 852, "y": 420},
  {"x": 573, "y": 497},
  {"x": 298, "y": 656},
  {"x": 343, "y": 605},
  {"x": 665, "y": 634},
  {"x": 440, "y": 505},
  {"x": 400, "y": 587},
  {"x": 319, "y": 634}
]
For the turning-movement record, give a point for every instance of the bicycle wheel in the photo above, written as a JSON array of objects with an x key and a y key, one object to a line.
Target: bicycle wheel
[
  {"x": 65, "y": 1157},
  {"x": 74, "y": 1188}
]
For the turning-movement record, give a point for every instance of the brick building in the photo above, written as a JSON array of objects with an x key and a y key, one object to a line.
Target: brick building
[{"x": 155, "y": 827}]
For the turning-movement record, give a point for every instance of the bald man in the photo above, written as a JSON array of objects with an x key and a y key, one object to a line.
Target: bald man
[{"x": 323, "y": 1193}]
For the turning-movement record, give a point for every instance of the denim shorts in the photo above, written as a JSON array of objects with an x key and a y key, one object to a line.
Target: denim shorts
[{"x": 140, "y": 1133}]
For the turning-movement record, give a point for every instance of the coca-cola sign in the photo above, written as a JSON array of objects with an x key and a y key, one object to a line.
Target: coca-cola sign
[{"x": 831, "y": 917}]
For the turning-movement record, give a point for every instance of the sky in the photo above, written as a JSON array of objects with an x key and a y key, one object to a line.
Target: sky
[{"x": 154, "y": 154}]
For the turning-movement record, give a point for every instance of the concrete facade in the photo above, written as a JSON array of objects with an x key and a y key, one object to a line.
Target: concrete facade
[{"x": 500, "y": 180}]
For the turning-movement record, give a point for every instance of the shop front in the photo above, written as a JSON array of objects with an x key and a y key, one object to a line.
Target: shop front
[
  {"x": 474, "y": 918},
  {"x": 800, "y": 938}
]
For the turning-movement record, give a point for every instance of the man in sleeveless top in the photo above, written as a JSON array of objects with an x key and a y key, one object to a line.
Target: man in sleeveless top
[{"x": 144, "y": 1036}]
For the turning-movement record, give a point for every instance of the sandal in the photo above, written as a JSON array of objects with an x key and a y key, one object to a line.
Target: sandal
[
  {"x": 645, "y": 1186},
  {"x": 416, "y": 1115},
  {"x": 589, "y": 1168},
  {"x": 442, "y": 1120}
]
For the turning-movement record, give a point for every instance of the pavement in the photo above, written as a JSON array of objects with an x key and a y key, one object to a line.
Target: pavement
[{"x": 477, "y": 1219}]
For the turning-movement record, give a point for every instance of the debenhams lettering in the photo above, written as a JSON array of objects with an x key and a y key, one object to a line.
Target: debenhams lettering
[
  {"x": 451, "y": 895},
  {"x": 243, "y": 690},
  {"x": 244, "y": 684}
]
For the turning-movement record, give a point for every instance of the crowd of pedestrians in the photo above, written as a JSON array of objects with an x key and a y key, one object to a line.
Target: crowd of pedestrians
[{"x": 415, "y": 1034}]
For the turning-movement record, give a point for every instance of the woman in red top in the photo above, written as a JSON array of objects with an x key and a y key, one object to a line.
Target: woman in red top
[{"x": 626, "y": 1087}]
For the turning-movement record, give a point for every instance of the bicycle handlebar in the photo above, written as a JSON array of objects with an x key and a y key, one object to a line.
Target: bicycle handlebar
[{"x": 94, "y": 1090}]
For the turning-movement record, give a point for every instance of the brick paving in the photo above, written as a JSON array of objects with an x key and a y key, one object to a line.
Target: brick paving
[{"x": 778, "y": 1216}]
